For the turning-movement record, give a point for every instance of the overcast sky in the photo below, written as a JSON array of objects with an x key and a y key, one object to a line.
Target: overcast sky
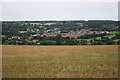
[{"x": 59, "y": 11}]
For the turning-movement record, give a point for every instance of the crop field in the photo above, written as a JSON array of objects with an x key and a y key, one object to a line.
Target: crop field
[
  {"x": 49, "y": 23},
  {"x": 100, "y": 61},
  {"x": 22, "y": 31}
]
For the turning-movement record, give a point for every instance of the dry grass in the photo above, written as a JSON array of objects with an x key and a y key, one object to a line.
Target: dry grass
[
  {"x": 60, "y": 61},
  {"x": 22, "y": 31},
  {"x": 41, "y": 23},
  {"x": 34, "y": 23},
  {"x": 49, "y": 23}
]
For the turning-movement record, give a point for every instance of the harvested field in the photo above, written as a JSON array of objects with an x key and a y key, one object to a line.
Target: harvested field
[
  {"x": 49, "y": 23},
  {"x": 99, "y": 61},
  {"x": 34, "y": 23}
]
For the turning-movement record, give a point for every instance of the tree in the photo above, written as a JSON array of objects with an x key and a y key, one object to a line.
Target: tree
[
  {"x": 83, "y": 42},
  {"x": 71, "y": 42},
  {"x": 110, "y": 42},
  {"x": 59, "y": 39},
  {"x": 118, "y": 42}
]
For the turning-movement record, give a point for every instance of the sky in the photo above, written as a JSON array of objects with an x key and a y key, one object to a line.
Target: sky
[
  {"x": 59, "y": 0},
  {"x": 59, "y": 11}
]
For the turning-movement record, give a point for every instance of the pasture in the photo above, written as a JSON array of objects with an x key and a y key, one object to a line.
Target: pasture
[
  {"x": 100, "y": 61},
  {"x": 112, "y": 34}
]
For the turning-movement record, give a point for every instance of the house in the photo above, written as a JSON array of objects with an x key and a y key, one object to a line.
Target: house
[
  {"x": 15, "y": 36},
  {"x": 88, "y": 43},
  {"x": 34, "y": 40},
  {"x": 36, "y": 35},
  {"x": 9, "y": 38},
  {"x": 29, "y": 41}
]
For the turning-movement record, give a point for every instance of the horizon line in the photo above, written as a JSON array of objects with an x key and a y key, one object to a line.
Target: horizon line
[{"x": 66, "y": 20}]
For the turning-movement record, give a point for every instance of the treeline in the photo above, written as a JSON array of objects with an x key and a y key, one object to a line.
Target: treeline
[{"x": 10, "y": 26}]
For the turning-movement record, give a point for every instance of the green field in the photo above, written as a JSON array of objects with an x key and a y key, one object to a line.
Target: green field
[
  {"x": 41, "y": 26},
  {"x": 99, "y": 38},
  {"x": 84, "y": 39},
  {"x": 3, "y": 36},
  {"x": 81, "y": 24},
  {"x": 112, "y": 34}
]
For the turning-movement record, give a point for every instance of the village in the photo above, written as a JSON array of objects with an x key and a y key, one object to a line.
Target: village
[{"x": 54, "y": 32}]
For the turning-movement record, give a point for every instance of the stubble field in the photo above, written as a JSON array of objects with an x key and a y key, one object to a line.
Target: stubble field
[{"x": 99, "y": 61}]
